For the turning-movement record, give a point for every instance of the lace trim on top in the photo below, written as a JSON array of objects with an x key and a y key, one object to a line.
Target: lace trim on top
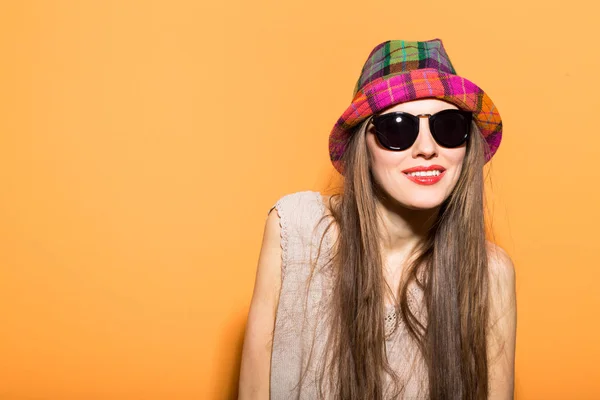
[
  {"x": 392, "y": 320},
  {"x": 283, "y": 224}
]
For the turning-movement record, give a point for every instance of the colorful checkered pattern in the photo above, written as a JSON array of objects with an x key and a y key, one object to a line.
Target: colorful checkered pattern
[{"x": 397, "y": 71}]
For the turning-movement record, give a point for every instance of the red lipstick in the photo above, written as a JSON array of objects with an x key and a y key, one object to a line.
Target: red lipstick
[{"x": 425, "y": 180}]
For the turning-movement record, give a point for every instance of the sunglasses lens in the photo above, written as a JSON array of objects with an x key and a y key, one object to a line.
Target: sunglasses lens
[
  {"x": 451, "y": 128},
  {"x": 396, "y": 132}
]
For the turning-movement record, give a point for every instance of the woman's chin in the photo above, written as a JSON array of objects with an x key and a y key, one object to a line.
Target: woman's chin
[
  {"x": 414, "y": 196},
  {"x": 422, "y": 201}
]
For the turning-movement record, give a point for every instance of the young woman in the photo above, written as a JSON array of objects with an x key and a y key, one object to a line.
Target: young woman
[{"x": 390, "y": 289}]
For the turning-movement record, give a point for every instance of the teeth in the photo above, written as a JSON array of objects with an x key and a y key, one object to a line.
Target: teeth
[{"x": 425, "y": 173}]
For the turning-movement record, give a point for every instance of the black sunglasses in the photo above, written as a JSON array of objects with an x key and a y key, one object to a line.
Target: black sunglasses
[{"x": 398, "y": 130}]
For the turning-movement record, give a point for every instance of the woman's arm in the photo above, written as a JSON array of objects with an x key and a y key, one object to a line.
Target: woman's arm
[
  {"x": 503, "y": 320},
  {"x": 258, "y": 340}
]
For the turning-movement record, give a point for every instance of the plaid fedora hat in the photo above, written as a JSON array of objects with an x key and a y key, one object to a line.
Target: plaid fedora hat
[{"x": 398, "y": 71}]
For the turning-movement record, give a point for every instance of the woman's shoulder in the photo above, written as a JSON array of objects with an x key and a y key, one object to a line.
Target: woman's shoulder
[
  {"x": 499, "y": 260},
  {"x": 502, "y": 278},
  {"x": 299, "y": 210}
]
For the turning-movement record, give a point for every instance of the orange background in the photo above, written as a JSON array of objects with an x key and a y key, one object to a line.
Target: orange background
[{"x": 143, "y": 142}]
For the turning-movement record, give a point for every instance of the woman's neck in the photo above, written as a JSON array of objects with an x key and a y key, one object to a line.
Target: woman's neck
[{"x": 402, "y": 228}]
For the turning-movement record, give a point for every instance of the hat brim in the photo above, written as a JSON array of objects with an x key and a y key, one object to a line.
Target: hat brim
[{"x": 411, "y": 85}]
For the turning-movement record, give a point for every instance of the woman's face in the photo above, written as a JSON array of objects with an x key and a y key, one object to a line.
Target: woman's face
[{"x": 388, "y": 166}]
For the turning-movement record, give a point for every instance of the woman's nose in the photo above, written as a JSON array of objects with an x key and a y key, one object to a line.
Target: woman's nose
[{"x": 425, "y": 144}]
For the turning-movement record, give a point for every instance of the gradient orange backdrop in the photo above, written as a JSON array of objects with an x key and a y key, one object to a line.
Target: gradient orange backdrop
[{"x": 143, "y": 142}]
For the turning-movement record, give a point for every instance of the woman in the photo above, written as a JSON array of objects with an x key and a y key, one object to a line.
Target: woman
[{"x": 390, "y": 289}]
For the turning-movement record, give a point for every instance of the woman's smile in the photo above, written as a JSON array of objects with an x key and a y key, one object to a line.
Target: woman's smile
[{"x": 422, "y": 178}]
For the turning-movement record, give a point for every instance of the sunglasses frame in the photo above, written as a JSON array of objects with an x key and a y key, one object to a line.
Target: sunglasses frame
[{"x": 376, "y": 120}]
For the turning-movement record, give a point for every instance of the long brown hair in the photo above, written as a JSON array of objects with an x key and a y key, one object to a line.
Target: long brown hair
[{"x": 452, "y": 258}]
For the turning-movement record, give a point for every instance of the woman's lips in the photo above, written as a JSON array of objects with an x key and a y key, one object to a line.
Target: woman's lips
[{"x": 426, "y": 180}]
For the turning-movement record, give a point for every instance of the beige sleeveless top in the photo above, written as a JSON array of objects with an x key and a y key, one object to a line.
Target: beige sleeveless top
[{"x": 301, "y": 324}]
